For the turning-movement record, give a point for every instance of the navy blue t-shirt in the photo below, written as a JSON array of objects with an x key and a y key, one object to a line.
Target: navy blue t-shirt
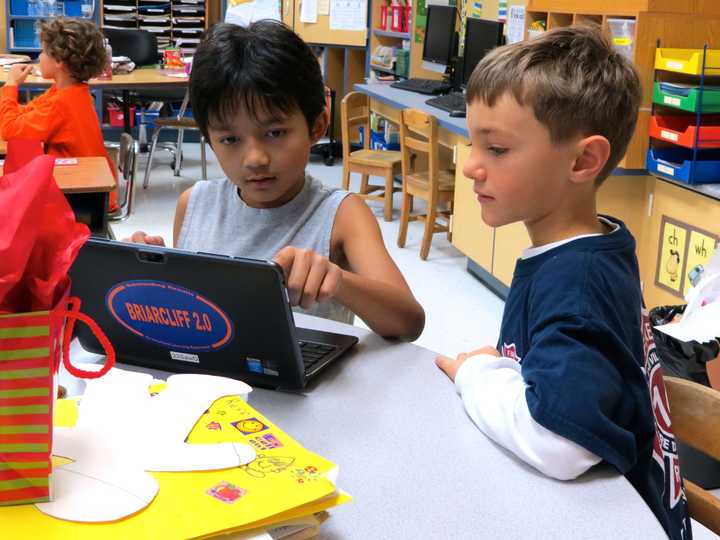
[{"x": 574, "y": 319}]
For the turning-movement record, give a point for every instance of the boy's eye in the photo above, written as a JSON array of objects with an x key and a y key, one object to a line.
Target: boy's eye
[
  {"x": 497, "y": 150},
  {"x": 229, "y": 140},
  {"x": 275, "y": 133}
]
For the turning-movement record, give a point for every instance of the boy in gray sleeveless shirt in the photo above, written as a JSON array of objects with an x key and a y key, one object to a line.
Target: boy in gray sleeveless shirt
[{"x": 258, "y": 97}]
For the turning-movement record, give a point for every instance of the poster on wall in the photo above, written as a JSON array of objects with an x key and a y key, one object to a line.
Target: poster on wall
[{"x": 701, "y": 246}]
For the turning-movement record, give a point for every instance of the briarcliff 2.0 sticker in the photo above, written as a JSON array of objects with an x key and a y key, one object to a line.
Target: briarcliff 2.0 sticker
[{"x": 170, "y": 315}]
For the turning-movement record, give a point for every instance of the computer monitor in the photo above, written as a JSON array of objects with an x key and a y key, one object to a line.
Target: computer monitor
[
  {"x": 481, "y": 35},
  {"x": 439, "y": 34}
]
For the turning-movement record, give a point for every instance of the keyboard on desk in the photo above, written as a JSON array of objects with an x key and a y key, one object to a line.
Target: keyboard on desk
[
  {"x": 422, "y": 86},
  {"x": 449, "y": 102},
  {"x": 316, "y": 355}
]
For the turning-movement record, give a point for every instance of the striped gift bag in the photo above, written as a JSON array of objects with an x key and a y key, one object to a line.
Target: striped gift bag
[{"x": 30, "y": 352}]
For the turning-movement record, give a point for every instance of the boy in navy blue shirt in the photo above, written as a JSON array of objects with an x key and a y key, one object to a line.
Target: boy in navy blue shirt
[{"x": 575, "y": 378}]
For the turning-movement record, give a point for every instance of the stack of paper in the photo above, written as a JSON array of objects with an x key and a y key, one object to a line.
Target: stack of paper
[{"x": 281, "y": 490}]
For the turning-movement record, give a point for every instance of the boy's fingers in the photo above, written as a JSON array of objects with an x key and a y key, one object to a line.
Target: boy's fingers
[
  {"x": 447, "y": 365},
  {"x": 298, "y": 276},
  {"x": 285, "y": 258},
  {"x": 155, "y": 240},
  {"x": 138, "y": 237},
  {"x": 492, "y": 351}
]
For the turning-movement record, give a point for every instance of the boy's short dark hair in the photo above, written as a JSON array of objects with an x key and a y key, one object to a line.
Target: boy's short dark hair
[
  {"x": 263, "y": 67},
  {"x": 78, "y": 44},
  {"x": 574, "y": 81}
]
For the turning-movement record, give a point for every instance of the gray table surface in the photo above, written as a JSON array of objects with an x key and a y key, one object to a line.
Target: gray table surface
[{"x": 417, "y": 467}]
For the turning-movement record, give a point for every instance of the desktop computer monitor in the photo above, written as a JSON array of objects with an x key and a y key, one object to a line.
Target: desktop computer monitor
[
  {"x": 439, "y": 34},
  {"x": 481, "y": 35}
]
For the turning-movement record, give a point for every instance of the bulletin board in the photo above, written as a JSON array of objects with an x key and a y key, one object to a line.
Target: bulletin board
[{"x": 320, "y": 32}]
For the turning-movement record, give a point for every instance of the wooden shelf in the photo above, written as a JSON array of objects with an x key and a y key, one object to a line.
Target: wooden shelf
[{"x": 391, "y": 34}]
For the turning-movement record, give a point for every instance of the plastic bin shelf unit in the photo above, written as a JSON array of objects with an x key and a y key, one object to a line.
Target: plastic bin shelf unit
[
  {"x": 677, "y": 163},
  {"x": 687, "y": 98},
  {"x": 688, "y": 61},
  {"x": 682, "y": 130}
]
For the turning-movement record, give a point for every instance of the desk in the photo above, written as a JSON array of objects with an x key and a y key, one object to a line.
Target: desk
[
  {"x": 139, "y": 79},
  {"x": 416, "y": 465},
  {"x": 86, "y": 187}
]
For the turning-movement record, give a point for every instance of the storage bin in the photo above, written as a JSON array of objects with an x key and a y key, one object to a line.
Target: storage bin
[
  {"x": 687, "y": 99},
  {"x": 18, "y": 7},
  {"x": 675, "y": 163},
  {"x": 623, "y": 36},
  {"x": 689, "y": 61},
  {"x": 681, "y": 130},
  {"x": 116, "y": 116},
  {"x": 377, "y": 141},
  {"x": 150, "y": 117}
]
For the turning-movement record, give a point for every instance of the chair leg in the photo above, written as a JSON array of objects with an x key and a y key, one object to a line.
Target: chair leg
[
  {"x": 203, "y": 158},
  {"x": 364, "y": 179},
  {"x": 407, "y": 201},
  {"x": 178, "y": 152},
  {"x": 429, "y": 228},
  {"x": 153, "y": 144},
  {"x": 346, "y": 178},
  {"x": 388, "y": 198}
]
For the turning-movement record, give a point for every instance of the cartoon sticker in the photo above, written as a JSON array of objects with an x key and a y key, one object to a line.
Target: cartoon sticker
[
  {"x": 226, "y": 492},
  {"x": 266, "y": 442},
  {"x": 169, "y": 315},
  {"x": 264, "y": 465},
  {"x": 214, "y": 426},
  {"x": 308, "y": 474},
  {"x": 249, "y": 426}
]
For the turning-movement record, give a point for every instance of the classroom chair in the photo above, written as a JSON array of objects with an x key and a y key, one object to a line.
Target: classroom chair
[
  {"x": 181, "y": 123},
  {"x": 436, "y": 186},
  {"x": 354, "y": 114},
  {"x": 127, "y": 167},
  {"x": 695, "y": 412}
]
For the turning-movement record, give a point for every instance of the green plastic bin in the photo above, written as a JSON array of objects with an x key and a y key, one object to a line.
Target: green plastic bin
[{"x": 710, "y": 99}]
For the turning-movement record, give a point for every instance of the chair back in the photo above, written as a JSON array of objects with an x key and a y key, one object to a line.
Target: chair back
[
  {"x": 354, "y": 114},
  {"x": 419, "y": 135},
  {"x": 140, "y": 46},
  {"x": 695, "y": 412}
]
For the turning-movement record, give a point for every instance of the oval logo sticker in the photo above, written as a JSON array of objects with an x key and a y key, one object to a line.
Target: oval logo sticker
[{"x": 169, "y": 315}]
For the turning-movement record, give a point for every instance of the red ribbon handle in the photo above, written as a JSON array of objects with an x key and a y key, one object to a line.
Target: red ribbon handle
[{"x": 72, "y": 315}]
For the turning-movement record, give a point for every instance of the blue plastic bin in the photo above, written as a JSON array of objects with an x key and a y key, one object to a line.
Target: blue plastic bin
[
  {"x": 377, "y": 141},
  {"x": 150, "y": 117},
  {"x": 73, "y": 8},
  {"x": 18, "y": 7},
  {"x": 675, "y": 163}
]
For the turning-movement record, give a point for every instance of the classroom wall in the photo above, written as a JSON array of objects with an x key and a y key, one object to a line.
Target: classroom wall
[{"x": 3, "y": 26}]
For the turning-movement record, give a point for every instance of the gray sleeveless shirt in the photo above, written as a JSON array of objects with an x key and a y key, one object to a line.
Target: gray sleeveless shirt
[{"x": 217, "y": 220}]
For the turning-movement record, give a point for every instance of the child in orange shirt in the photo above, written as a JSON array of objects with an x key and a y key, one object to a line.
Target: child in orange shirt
[{"x": 64, "y": 117}]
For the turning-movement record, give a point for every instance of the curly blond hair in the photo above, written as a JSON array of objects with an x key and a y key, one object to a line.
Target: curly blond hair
[{"x": 78, "y": 44}]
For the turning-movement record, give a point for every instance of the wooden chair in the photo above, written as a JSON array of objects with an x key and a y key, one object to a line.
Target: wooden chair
[
  {"x": 127, "y": 166},
  {"x": 355, "y": 112},
  {"x": 182, "y": 124},
  {"x": 419, "y": 134},
  {"x": 695, "y": 412}
]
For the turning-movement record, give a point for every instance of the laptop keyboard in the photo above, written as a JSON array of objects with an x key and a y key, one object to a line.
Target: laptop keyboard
[{"x": 315, "y": 354}]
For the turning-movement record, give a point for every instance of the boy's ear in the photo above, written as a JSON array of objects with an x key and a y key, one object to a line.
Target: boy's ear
[
  {"x": 321, "y": 125},
  {"x": 593, "y": 153}
]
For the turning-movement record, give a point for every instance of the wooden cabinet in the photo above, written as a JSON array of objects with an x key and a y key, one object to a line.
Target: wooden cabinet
[{"x": 470, "y": 233}]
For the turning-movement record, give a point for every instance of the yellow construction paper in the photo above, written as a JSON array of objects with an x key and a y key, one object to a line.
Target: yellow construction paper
[
  {"x": 671, "y": 258},
  {"x": 284, "y": 482}
]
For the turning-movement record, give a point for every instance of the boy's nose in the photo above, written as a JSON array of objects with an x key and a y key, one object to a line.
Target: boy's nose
[
  {"x": 256, "y": 157},
  {"x": 474, "y": 170}
]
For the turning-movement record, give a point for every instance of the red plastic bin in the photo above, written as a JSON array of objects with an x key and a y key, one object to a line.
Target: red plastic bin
[
  {"x": 116, "y": 117},
  {"x": 680, "y": 130}
]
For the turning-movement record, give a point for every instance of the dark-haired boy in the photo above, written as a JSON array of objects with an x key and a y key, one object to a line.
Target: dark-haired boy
[
  {"x": 258, "y": 96},
  {"x": 64, "y": 117},
  {"x": 575, "y": 379}
]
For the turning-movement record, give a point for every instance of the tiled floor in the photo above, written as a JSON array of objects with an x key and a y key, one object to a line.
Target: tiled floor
[{"x": 461, "y": 313}]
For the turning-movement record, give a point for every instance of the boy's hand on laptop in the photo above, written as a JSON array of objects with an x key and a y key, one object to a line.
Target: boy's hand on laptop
[
  {"x": 139, "y": 237},
  {"x": 310, "y": 277},
  {"x": 18, "y": 73},
  {"x": 450, "y": 366}
]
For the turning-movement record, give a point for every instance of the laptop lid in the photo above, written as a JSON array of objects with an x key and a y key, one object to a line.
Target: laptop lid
[{"x": 180, "y": 311}]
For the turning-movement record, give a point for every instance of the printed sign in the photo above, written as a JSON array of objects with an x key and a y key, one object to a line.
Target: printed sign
[
  {"x": 671, "y": 257},
  {"x": 700, "y": 248},
  {"x": 169, "y": 315}
]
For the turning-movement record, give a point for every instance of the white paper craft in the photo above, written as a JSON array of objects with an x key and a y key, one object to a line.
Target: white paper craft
[
  {"x": 324, "y": 7},
  {"x": 122, "y": 432},
  {"x": 701, "y": 319},
  {"x": 348, "y": 15}
]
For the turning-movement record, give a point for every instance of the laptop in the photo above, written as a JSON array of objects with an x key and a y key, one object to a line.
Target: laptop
[{"x": 180, "y": 311}]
